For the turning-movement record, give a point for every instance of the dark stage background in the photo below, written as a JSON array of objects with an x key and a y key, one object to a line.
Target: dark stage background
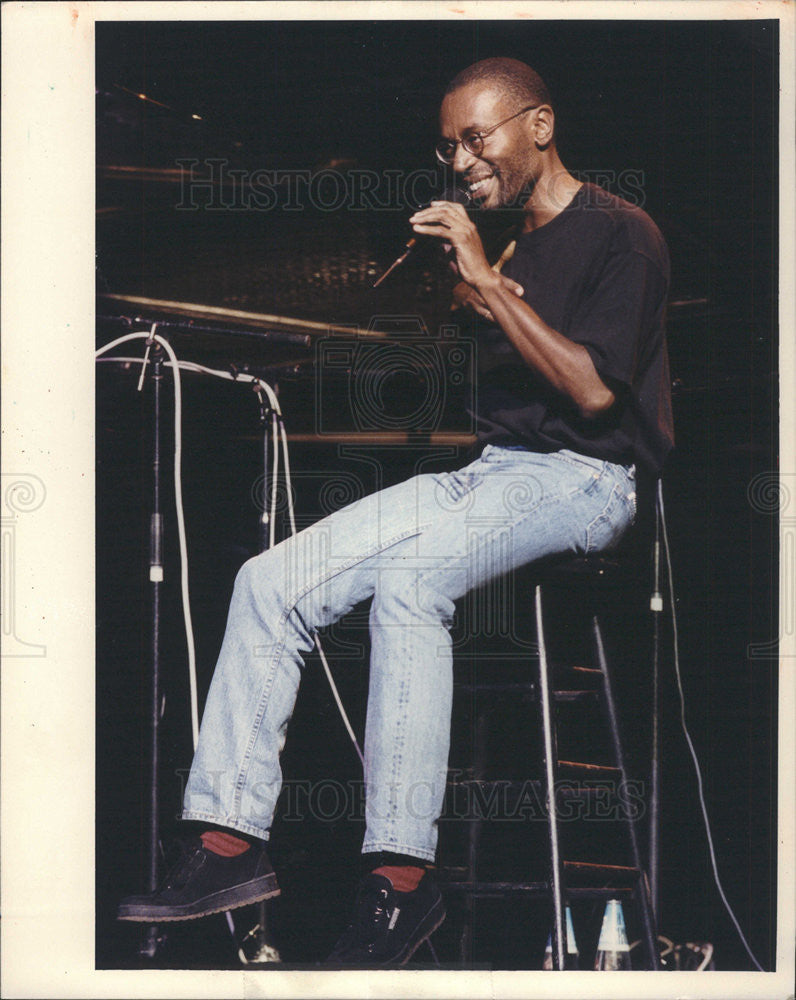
[{"x": 678, "y": 117}]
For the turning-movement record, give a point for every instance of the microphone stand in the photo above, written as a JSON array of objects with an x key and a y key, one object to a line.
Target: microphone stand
[
  {"x": 256, "y": 947},
  {"x": 152, "y": 939},
  {"x": 656, "y": 606},
  {"x": 256, "y": 942}
]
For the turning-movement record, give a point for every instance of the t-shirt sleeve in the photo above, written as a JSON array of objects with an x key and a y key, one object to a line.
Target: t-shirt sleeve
[{"x": 613, "y": 320}]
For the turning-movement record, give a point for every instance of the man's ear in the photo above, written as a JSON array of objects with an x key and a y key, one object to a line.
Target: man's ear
[{"x": 543, "y": 125}]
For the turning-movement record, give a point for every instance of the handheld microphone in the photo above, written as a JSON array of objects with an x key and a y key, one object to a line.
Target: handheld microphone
[{"x": 453, "y": 194}]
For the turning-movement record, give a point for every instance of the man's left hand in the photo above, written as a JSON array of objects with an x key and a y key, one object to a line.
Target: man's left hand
[{"x": 466, "y": 297}]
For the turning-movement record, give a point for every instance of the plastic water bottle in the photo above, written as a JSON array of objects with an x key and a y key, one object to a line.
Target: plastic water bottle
[
  {"x": 572, "y": 958},
  {"x": 613, "y": 950}
]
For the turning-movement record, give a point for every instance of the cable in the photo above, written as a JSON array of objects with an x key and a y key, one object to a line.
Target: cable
[
  {"x": 337, "y": 698},
  {"x": 192, "y": 366},
  {"x": 288, "y": 480},
  {"x": 186, "y": 602},
  {"x": 694, "y": 757},
  {"x": 274, "y": 478},
  {"x": 707, "y": 955}
]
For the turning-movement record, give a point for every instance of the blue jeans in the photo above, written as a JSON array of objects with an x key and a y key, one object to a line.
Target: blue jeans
[{"x": 414, "y": 549}]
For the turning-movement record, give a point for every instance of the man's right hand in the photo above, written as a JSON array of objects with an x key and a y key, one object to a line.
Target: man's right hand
[{"x": 466, "y": 297}]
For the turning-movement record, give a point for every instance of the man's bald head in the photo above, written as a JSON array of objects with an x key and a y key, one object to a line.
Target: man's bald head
[{"x": 509, "y": 77}]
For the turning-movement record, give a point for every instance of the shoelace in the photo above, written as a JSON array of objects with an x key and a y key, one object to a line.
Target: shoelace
[
  {"x": 188, "y": 861},
  {"x": 373, "y": 917}
]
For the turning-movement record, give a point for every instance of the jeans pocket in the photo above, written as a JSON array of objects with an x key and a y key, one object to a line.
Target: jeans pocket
[
  {"x": 625, "y": 476},
  {"x": 606, "y": 530}
]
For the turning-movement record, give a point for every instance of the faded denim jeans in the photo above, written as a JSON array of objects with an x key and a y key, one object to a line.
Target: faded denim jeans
[{"x": 413, "y": 549}]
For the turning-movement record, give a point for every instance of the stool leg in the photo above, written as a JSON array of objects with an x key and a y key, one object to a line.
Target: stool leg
[
  {"x": 473, "y": 840},
  {"x": 647, "y": 916},
  {"x": 549, "y": 761}
]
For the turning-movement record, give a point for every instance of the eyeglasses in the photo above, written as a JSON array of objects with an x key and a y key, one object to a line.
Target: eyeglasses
[{"x": 474, "y": 141}]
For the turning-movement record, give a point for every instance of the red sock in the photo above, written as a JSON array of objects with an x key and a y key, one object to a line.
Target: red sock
[
  {"x": 225, "y": 844},
  {"x": 404, "y": 878}
]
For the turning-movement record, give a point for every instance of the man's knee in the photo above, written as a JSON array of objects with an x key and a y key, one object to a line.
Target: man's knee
[
  {"x": 407, "y": 596},
  {"x": 258, "y": 576}
]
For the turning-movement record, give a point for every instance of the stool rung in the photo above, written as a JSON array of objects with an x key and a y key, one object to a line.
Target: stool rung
[
  {"x": 574, "y": 694},
  {"x": 498, "y": 687},
  {"x": 508, "y": 783},
  {"x": 498, "y": 889},
  {"x": 609, "y": 871},
  {"x": 599, "y": 891},
  {"x": 495, "y": 888},
  {"x": 592, "y": 769},
  {"x": 513, "y": 788},
  {"x": 526, "y": 688}
]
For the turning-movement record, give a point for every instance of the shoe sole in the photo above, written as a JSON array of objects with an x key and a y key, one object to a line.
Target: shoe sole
[{"x": 255, "y": 891}]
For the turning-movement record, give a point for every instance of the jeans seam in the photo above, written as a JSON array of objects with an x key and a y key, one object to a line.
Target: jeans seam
[
  {"x": 288, "y": 609},
  {"x": 231, "y": 821},
  {"x": 574, "y": 462},
  {"x": 615, "y": 495},
  {"x": 262, "y": 707},
  {"x": 383, "y": 845},
  {"x": 374, "y": 550},
  {"x": 488, "y": 538}
]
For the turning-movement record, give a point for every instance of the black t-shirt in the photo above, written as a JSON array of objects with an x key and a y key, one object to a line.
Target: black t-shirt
[{"x": 598, "y": 273}]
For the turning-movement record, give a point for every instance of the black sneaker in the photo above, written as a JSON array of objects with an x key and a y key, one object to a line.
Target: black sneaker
[
  {"x": 388, "y": 926},
  {"x": 202, "y": 882}
]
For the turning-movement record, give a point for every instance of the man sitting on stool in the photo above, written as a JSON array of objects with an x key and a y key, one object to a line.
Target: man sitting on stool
[{"x": 579, "y": 399}]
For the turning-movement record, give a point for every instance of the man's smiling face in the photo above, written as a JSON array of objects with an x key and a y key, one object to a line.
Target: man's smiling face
[{"x": 509, "y": 163}]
